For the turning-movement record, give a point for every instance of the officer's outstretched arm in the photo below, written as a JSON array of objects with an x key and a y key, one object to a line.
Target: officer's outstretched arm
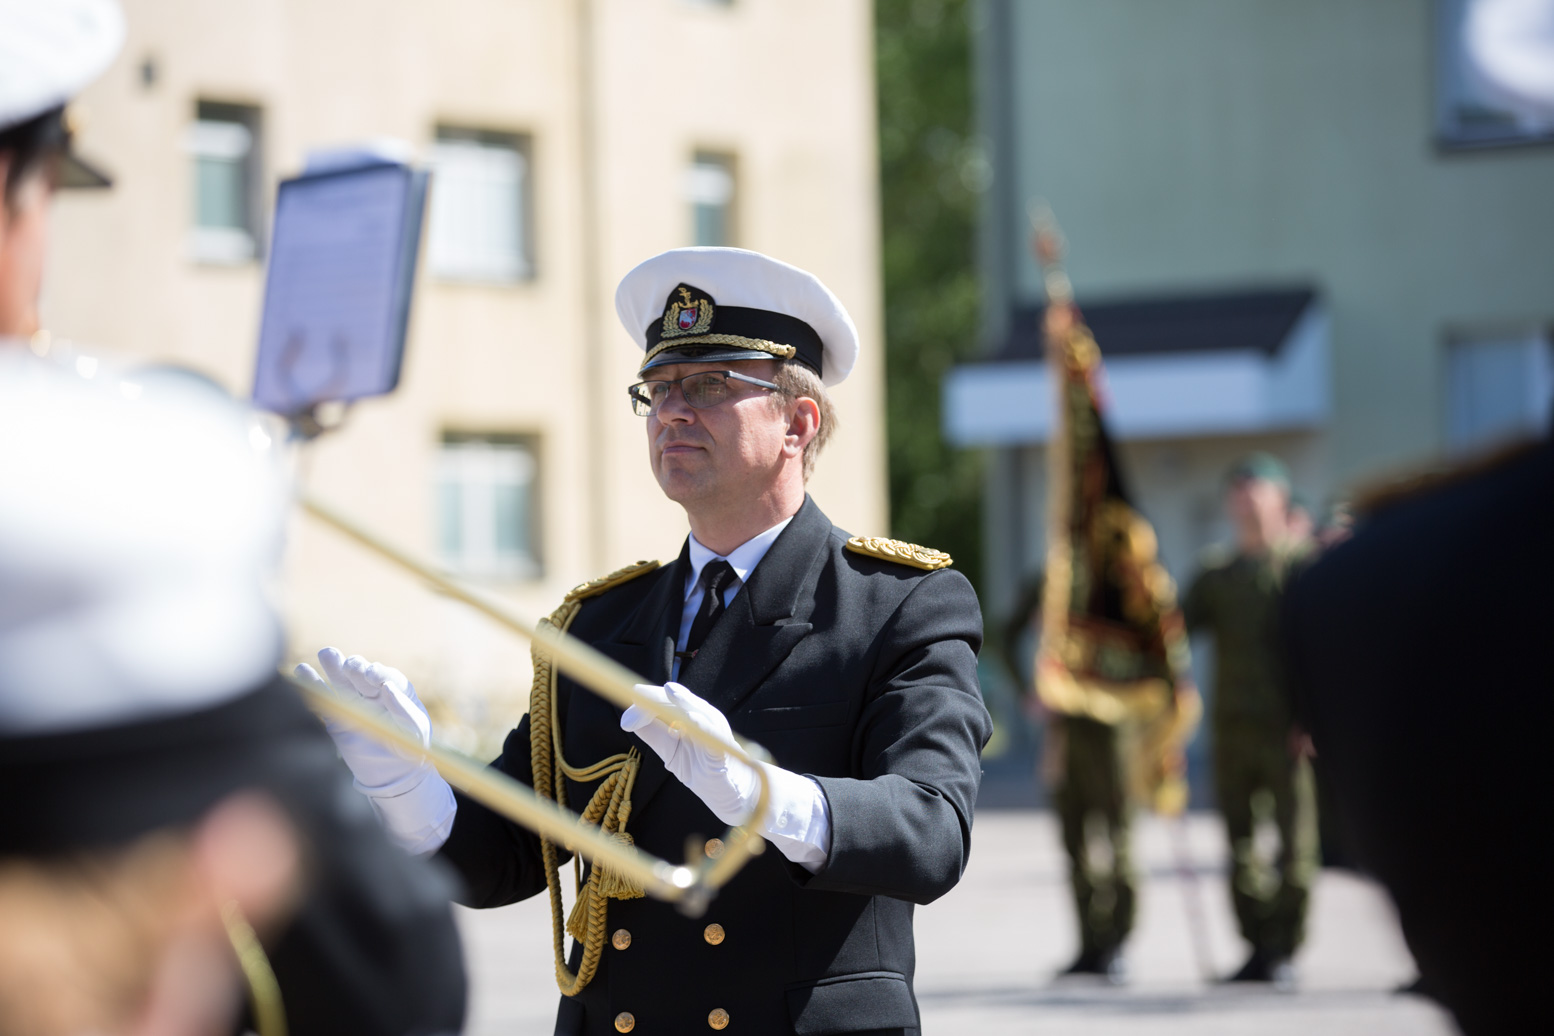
[
  {"x": 411, "y": 798},
  {"x": 499, "y": 861},
  {"x": 903, "y": 828}
]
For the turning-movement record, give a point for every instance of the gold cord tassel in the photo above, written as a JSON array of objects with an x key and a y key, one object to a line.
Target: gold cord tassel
[{"x": 609, "y": 808}]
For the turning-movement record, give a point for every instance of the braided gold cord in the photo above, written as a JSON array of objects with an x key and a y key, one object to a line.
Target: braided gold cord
[
  {"x": 264, "y": 992},
  {"x": 609, "y": 808}
]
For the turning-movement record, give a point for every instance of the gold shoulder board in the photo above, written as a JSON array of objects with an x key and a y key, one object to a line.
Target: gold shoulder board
[
  {"x": 900, "y": 552},
  {"x": 595, "y": 587}
]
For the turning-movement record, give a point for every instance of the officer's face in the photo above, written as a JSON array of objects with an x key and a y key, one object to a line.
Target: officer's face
[
  {"x": 729, "y": 451},
  {"x": 24, "y": 224}
]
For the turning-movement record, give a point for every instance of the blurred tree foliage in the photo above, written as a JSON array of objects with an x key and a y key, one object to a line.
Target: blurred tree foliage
[{"x": 932, "y": 170}]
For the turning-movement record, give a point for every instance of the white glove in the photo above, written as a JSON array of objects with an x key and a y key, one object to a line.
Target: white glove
[
  {"x": 410, "y": 797},
  {"x": 797, "y": 819}
]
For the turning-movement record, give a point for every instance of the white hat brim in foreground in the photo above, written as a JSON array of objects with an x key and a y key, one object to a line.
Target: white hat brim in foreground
[
  {"x": 50, "y": 50},
  {"x": 746, "y": 280}
]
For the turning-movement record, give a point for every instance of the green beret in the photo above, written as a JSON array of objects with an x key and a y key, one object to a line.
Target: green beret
[{"x": 1259, "y": 465}]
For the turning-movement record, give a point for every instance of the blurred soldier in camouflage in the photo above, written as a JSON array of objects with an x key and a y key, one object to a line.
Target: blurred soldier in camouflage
[
  {"x": 1084, "y": 764},
  {"x": 1261, "y": 758}
]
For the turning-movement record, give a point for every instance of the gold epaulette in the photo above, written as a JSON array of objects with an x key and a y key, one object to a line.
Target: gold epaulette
[
  {"x": 899, "y": 551},
  {"x": 595, "y": 587}
]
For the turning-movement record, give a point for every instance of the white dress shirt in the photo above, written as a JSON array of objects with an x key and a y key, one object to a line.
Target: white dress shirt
[
  {"x": 798, "y": 820},
  {"x": 742, "y": 559}
]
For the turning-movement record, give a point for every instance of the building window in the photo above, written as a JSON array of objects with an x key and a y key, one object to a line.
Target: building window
[
  {"x": 487, "y": 505},
  {"x": 1499, "y": 388},
  {"x": 1470, "y": 112},
  {"x": 223, "y": 142},
  {"x": 481, "y": 227},
  {"x": 709, "y": 188}
]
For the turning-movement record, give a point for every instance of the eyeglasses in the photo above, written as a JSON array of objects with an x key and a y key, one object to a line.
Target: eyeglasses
[{"x": 702, "y": 390}]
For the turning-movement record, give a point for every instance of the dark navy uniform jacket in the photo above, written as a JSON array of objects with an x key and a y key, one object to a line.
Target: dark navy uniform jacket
[
  {"x": 856, "y": 671},
  {"x": 371, "y": 949},
  {"x": 1421, "y": 656}
]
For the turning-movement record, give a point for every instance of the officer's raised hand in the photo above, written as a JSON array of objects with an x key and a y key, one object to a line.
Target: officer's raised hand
[
  {"x": 796, "y": 821},
  {"x": 727, "y": 785},
  {"x": 412, "y": 800}
]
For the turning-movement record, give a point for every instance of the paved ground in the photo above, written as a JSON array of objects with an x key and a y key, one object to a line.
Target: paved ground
[{"x": 987, "y": 951}]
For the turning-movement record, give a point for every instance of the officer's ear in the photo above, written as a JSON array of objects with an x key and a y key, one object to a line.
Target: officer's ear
[{"x": 803, "y": 425}]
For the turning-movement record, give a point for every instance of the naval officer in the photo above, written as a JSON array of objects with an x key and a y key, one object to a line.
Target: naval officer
[{"x": 852, "y": 660}]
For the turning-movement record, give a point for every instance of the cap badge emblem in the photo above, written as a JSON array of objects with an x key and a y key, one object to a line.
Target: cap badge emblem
[{"x": 690, "y": 314}]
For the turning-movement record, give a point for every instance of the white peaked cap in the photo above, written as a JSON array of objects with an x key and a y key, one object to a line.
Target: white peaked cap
[
  {"x": 726, "y": 304},
  {"x": 141, "y": 522},
  {"x": 50, "y": 49}
]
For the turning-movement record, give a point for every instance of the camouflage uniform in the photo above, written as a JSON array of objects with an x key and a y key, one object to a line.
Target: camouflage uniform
[
  {"x": 1237, "y": 599},
  {"x": 1093, "y": 804},
  {"x": 1085, "y": 767}
]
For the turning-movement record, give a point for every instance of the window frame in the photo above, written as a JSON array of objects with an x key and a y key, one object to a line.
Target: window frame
[
  {"x": 522, "y": 143},
  {"x": 526, "y": 568},
  {"x": 210, "y": 245},
  {"x": 727, "y": 161},
  {"x": 1537, "y": 376}
]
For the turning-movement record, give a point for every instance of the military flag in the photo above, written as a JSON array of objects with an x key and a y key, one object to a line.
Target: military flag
[{"x": 1113, "y": 646}]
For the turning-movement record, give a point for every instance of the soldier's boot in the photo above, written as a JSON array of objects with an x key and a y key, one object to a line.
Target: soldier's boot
[
  {"x": 1114, "y": 966},
  {"x": 1087, "y": 963},
  {"x": 1266, "y": 966},
  {"x": 1254, "y": 970}
]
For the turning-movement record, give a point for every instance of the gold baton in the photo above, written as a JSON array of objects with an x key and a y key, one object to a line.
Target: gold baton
[{"x": 691, "y": 884}]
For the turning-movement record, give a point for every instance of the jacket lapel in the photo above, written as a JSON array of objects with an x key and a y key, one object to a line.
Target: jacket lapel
[
  {"x": 592, "y": 727},
  {"x": 650, "y": 639},
  {"x": 763, "y": 624},
  {"x": 653, "y": 630}
]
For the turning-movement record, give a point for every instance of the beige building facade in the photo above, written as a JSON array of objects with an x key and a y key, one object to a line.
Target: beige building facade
[{"x": 569, "y": 139}]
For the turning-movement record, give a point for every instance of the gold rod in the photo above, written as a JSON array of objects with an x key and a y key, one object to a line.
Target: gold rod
[
  {"x": 510, "y": 798},
  {"x": 599, "y": 673}
]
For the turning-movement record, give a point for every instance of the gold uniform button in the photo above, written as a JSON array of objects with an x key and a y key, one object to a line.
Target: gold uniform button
[
  {"x": 620, "y": 940},
  {"x": 713, "y": 848},
  {"x": 718, "y": 1019},
  {"x": 624, "y": 1022},
  {"x": 713, "y": 933}
]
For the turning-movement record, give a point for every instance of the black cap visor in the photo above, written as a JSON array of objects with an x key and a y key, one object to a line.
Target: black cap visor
[
  {"x": 705, "y": 354},
  {"x": 77, "y": 173},
  {"x": 54, "y": 141}
]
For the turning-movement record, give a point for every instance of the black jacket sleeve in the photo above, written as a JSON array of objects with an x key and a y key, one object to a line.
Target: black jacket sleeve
[
  {"x": 499, "y": 861},
  {"x": 372, "y": 949},
  {"x": 902, "y": 827}
]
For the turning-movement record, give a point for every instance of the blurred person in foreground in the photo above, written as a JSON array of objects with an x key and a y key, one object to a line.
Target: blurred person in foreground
[
  {"x": 172, "y": 816},
  {"x": 851, "y": 659},
  {"x": 1262, "y": 770},
  {"x": 1419, "y": 655}
]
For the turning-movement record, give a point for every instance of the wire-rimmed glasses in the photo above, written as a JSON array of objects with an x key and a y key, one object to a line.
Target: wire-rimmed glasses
[{"x": 701, "y": 390}]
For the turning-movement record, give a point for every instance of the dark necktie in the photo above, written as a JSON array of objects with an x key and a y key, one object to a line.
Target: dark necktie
[{"x": 716, "y": 577}]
